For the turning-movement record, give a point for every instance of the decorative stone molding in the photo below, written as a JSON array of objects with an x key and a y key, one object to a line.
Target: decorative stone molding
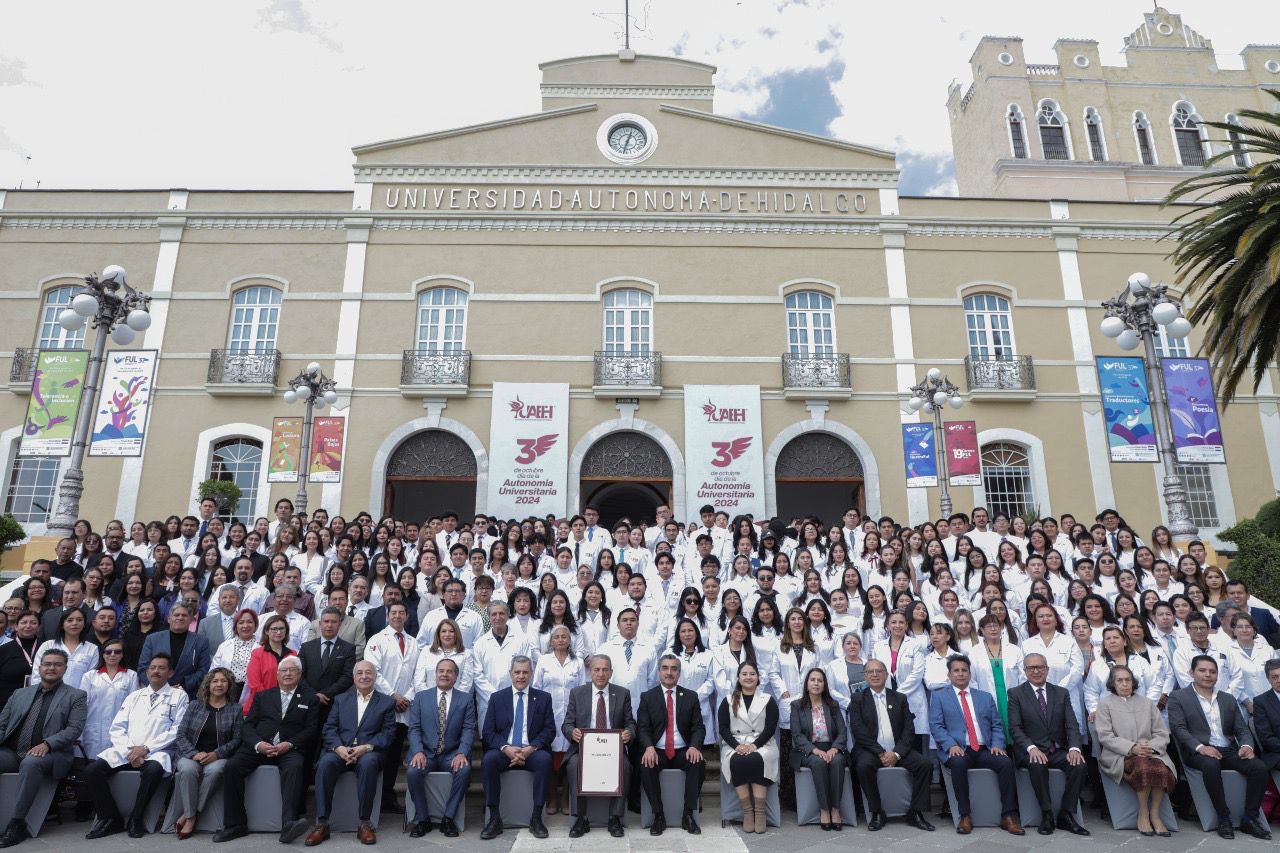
[
  {"x": 870, "y": 470},
  {"x": 633, "y": 424},
  {"x": 382, "y": 457},
  {"x": 681, "y": 93},
  {"x": 653, "y": 175}
]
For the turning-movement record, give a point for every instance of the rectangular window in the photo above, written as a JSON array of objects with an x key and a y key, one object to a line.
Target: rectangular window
[
  {"x": 1190, "y": 148},
  {"x": 1054, "y": 141},
  {"x": 1144, "y": 147},
  {"x": 1096, "y": 150},
  {"x": 32, "y": 482},
  {"x": 1199, "y": 483}
]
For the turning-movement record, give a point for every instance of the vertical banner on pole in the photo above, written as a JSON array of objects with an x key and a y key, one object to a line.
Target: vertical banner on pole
[
  {"x": 1193, "y": 411},
  {"x": 1126, "y": 404},
  {"x": 120, "y": 420},
  {"x": 724, "y": 449},
  {"x": 326, "y": 449},
  {"x": 964, "y": 466},
  {"x": 286, "y": 450},
  {"x": 918, "y": 455},
  {"x": 56, "y": 387},
  {"x": 528, "y": 449}
]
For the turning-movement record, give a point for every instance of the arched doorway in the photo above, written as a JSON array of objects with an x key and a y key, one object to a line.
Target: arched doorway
[
  {"x": 430, "y": 472},
  {"x": 818, "y": 474},
  {"x": 626, "y": 474}
]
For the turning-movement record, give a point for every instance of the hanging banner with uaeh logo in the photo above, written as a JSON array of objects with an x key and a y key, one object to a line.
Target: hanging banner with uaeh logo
[
  {"x": 1197, "y": 431},
  {"x": 724, "y": 449},
  {"x": 56, "y": 386},
  {"x": 327, "y": 436},
  {"x": 964, "y": 467},
  {"x": 528, "y": 450},
  {"x": 120, "y": 421},
  {"x": 286, "y": 450}
]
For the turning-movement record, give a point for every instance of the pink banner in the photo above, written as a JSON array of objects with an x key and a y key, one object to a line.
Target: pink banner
[
  {"x": 326, "y": 449},
  {"x": 964, "y": 465}
]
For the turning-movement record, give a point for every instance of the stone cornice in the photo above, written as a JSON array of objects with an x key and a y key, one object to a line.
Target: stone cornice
[
  {"x": 675, "y": 93},
  {"x": 640, "y": 175}
]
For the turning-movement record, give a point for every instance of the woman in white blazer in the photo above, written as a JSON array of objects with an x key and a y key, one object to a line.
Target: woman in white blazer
[
  {"x": 903, "y": 657},
  {"x": 748, "y": 718},
  {"x": 697, "y": 671},
  {"x": 106, "y": 686},
  {"x": 996, "y": 645},
  {"x": 1066, "y": 667},
  {"x": 845, "y": 676}
]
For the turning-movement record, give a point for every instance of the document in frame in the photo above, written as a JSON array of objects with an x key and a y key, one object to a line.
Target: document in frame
[{"x": 600, "y": 763}]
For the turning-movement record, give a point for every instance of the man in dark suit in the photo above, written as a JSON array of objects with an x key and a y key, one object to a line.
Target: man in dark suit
[
  {"x": 1046, "y": 736},
  {"x": 328, "y": 661},
  {"x": 42, "y": 748},
  {"x": 1266, "y": 718},
  {"x": 1212, "y": 736},
  {"x": 519, "y": 728},
  {"x": 280, "y": 728},
  {"x": 72, "y": 598},
  {"x": 376, "y": 619},
  {"x": 598, "y": 705},
  {"x": 884, "y": 735},
  {"x": 442, "y": 730},
  {"x": 189, "y": 652},
  {"x": 671, "y": 732},
  {"x": 360, "y": 728},
  {"x": 970, "y": 734},
  {"x": 1263, "y": 621}
]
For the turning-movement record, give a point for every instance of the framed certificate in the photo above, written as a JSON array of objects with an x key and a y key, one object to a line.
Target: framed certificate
[{"x": 600, "y": 763}]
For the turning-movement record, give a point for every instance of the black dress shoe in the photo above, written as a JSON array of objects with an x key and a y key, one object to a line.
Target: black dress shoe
[
  {"x": 493, "y": 828},
  {"x": 448, "y": 827},
  {"x": 15, "y": 833},
  {"x": 1251, "y": 826},
  {"x": 292, "y": 831},
  {"x": 689, "y": 825},
  {"x": 418, "y": 829},
  {"x": 1046, "y": 826},
  {"x": 581, "y": 827},
  {"x": 1068, "y": 821},
  {"x": 427, "y": 825},
  {"x": 231, "y": 833},
  {"x": 536, "y": 827},
  {"x": 1225, "y": 830},
  {"x": 615, "y": 827},
  {"x": 917, "y": 819},
  {"x": 135, "y": 828},
  {"x": 103, "y": 828},
  {"x": 658, "y": 826},
  {"x": 877, "y": 822}
]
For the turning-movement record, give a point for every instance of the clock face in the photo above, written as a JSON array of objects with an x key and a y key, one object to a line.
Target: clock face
[{"x": 627, "y": 139}]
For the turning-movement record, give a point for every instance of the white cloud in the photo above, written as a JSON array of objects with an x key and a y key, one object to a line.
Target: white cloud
[{"x": 289, "y": 16}]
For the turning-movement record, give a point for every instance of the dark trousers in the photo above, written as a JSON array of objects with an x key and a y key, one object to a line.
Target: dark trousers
[
  {"x": 495, "y": 763},
  {"x": 417, "y": 784},
  {"x": 32, "y": 771},
  {"x": 394, "y": 758},
  {"x": 828, "y": 778},
  {"x": 920, "y": 769},
  {"x": 1254, "y": 773},
  {"x": 243, "y": 763},
  {"x": 983, "y": 759},
  {"x": 650, "y": 780},
  {"x": 617, "y": 805},
  {"x": 1075, "y": 774},
  {"x": 367, "y": 768},
  {"x": 98, "y": 776}
]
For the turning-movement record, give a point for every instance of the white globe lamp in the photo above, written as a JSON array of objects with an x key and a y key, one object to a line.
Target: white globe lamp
[
  {"x": 1111, "y": 327},
  {"x": 122, "y": 335},
  {"x": 70, "y": 320},
  {"x": 1179, "y": 328},
  {"x": 1139, "y": 282},
  {"x": 1165, "y": 313},
  {"x": 1128, "y": 340},
  {"x": 85, "y": 305},
  {"x": 138, "y": 320}
]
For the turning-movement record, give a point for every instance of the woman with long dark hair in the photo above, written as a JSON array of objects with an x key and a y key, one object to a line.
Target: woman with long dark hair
[
  {"x": 593, "y": 616},
  {"x": 818, "y": 736},
  {"x": 748, "y": 718}
]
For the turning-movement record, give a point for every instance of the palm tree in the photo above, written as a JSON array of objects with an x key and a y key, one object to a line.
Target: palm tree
[{"x": 1228, "y": 253}]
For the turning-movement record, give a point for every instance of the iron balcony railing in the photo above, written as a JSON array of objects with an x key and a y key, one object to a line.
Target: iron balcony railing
[
  {"x": 621, "y": 368},
  {"x": 230, "y": 367},
  {"x": 428, "y": 367},
  {"x": 816, "y": 371},
  {"x": 1000, "y": 373},
  {"x": 23, "y": 366}
]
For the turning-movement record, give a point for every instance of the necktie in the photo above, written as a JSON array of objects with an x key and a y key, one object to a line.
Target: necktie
[
  {"x": 968, "y": 721},
  {"x": 444, "y": 712},
  {"x": 577, "y": 559},
  {"x": 517, "y": 738},
  {"x": 886, "y": 726},
  {"x": 590, "y": 534},
  {"x": 400, "y": 638},
  {"x": 26, "y": 737},
  {"x": 1171, "y": 643},
  {"x": 602, "y": 720},
  {"x": 154, "y": 697},
  {"x": 1044, "y": 706},
  {"x": 671, "y": 725},
  {"x": 351, "y": 611},
  {"x": 626, "y": 649},
  {"x": 324, "y": 656}
]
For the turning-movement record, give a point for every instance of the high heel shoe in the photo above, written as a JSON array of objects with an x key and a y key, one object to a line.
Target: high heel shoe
[{"x": 826, "y": 826}]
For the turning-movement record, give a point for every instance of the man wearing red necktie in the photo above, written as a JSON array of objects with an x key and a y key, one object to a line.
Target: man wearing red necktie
[
  {"x": 671, "y": 732},
  {"x": 970, "y": 733}
]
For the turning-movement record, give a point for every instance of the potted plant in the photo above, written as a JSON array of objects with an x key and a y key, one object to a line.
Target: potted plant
[{"x": 224, "y": 492}]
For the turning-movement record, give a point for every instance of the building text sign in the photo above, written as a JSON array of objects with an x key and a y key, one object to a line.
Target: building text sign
[
  {"x": 603, "y": 199},
  {"x": 528, "y": 449},
  {"x": 724, "y": 449}
]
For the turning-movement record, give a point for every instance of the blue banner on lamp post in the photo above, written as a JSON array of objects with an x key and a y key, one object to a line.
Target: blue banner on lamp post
[{"x": 919, "y": 456}]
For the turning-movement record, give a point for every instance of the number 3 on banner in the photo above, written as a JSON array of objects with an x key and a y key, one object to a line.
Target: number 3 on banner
[
  {"x": 532, "y": 448},
  {"x": 727, "y": 451}
]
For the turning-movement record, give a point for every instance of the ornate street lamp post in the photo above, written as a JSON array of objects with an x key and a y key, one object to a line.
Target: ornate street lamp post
[
  {"x": 1132, "y": 319},
  {"x": 115, "y": 309},
  {"x": 310, "y": 386},
  {"x": 931, "y": 394}
]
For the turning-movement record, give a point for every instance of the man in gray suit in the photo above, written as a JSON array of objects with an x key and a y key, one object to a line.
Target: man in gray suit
[
  {"x": 220, "y": 625},
  {"x": 598, "y": 705},
  {"x": 38, "y": 728},
  {"x": 1212, "y": 736}
]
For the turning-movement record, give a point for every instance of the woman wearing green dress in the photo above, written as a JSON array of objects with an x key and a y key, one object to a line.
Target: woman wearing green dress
[{"x": 996, "y": 664}]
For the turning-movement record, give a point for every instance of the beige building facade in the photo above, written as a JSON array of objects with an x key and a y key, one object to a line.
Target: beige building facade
[{"x": 628, "y": 241}]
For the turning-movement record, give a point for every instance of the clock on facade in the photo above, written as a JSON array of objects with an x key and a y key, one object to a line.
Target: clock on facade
[{"x": 627, "y": 138}]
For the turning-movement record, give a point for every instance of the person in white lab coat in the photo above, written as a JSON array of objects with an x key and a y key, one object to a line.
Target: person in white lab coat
[
  {"x": 697, "y": 670},
  {"x": 903, "y": 657},
  {"x": 468, "y": 621},
  {"x": 448, "y": 644},
  {"x": 142, "y": 737},
  {"x": 559, "y": 670},
  {"x": 634, "y": 659},
  {"x": 394, "y": 651},
  {"x": 106, "y": 686},
  {"x": 491, "y": 656}
]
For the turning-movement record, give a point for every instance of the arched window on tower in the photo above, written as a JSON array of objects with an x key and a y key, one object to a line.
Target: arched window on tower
[
  {"x": 1097, "y": 142},
  {"x": 1238, "y": 155},
  {"x": 1017, "y": 132},
  {"x": 1053, "y": 131},
  {"x": 1188, "y": 134},
  {"x": 1142, "y": 132}
]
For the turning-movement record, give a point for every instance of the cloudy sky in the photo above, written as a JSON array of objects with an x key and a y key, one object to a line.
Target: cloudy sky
[{"x": 274, "y": 93}]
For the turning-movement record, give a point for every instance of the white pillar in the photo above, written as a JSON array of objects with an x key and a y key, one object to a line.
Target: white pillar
[{"x": 894, "y": 236}]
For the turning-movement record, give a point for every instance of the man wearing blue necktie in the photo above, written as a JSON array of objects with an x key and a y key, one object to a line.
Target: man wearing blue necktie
[{"x": 519, "y": 728}]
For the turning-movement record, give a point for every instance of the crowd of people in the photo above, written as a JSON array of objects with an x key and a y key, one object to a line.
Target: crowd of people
[{"x": 201, "y": 649}]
